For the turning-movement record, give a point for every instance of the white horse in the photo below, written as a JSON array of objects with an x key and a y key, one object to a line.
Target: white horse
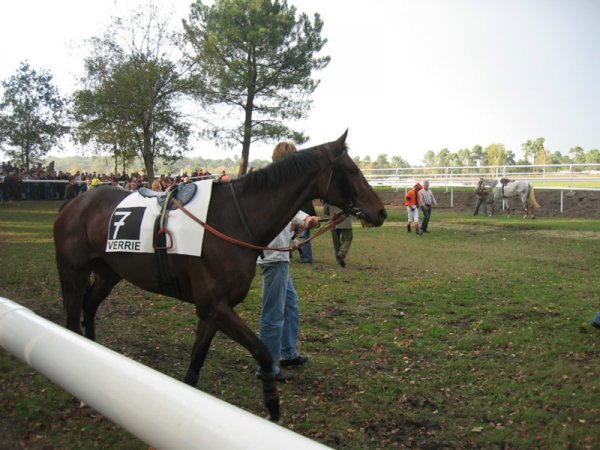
[{"x": 505, "y": 189}]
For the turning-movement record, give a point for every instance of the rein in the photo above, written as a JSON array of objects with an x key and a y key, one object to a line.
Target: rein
[{"x": 336, "y": 219}]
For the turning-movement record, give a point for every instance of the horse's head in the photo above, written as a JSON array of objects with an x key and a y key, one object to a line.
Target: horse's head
[
  {"x": 486, "y": 183},
  {"x": 342, "y": 184}
]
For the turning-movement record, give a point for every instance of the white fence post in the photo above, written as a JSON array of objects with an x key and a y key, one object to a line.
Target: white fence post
[{"x": 159, "y": 410}]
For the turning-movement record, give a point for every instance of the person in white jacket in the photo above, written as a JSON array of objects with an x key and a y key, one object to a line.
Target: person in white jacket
[{"x": 279, "y": 321}]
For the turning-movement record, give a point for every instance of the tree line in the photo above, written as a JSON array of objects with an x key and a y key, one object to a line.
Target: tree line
[
  {"x": 534, "y": 152},
  {"x": 248, "y": 67},
  {"x": 242, "y": 69},
  {"x": 493, "y": 155}
]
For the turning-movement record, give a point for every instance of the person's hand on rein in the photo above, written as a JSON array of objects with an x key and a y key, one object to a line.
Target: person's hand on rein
[{"x": 311, "y": 222}]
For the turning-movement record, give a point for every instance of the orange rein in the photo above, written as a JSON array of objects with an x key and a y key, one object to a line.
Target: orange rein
[{"x": 331, "y": 224}]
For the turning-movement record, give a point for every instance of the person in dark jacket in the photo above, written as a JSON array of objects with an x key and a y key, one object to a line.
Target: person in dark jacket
[
  {"x": 71, "y": 191},
  {"x": 341, "y": 235}
]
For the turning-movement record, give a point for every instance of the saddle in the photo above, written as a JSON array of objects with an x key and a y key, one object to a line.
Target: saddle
[
  {"x": 504, "y": 182},
  {"x": 163, "y": 240},
  {"x": 182, "y": 192}
]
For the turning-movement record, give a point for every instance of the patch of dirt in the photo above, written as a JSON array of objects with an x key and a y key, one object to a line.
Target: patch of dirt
[{"x": 574, "y": 203}]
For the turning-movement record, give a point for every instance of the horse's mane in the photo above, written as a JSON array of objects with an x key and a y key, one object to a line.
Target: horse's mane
[{"x": 293, "y": 165}]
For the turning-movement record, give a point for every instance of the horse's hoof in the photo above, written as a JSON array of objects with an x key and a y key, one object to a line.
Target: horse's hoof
[
  {"x": 191, "y": 378},
  {"x": 271, "y": 398},
  {"x": 273, "y": 408}
]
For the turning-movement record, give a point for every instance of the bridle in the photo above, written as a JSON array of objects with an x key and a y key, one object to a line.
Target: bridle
[{"x": 349, "y": 209}]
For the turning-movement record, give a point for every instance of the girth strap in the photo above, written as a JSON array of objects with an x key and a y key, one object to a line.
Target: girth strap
[{"x": 163, "y": 240}]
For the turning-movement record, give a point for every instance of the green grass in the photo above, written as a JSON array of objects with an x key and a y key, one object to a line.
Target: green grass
[{"x": 476, "y": 335}]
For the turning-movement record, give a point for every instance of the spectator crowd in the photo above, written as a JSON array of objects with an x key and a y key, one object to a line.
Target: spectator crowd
[{"x": 45, "y": 183}]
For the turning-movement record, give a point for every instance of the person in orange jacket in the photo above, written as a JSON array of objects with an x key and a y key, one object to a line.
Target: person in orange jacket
[{"x": 412, "y": 208}]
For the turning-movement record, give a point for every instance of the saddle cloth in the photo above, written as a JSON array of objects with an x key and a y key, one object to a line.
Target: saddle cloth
[{"x": 131, "y": 227}]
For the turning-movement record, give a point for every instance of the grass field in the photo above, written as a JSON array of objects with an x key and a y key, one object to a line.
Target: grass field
[{"x": 476, "y": 335}]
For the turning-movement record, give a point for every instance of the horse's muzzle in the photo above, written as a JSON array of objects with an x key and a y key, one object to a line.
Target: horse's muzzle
[
  {"x": 377, "y": 221},
  {"x": 381, "y": 217}
]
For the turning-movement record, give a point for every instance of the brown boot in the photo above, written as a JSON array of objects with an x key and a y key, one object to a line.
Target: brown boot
[{"x": 408, "y": 227}]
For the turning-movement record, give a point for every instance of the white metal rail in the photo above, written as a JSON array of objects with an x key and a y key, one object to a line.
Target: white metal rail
[{"x": 161, "y": 411}]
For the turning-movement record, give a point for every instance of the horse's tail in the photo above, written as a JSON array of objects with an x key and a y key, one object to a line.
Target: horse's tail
[{"x": 532, "y": 200}]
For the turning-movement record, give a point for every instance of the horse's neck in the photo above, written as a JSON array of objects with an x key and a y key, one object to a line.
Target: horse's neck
[{"x": 270, "y": 211}]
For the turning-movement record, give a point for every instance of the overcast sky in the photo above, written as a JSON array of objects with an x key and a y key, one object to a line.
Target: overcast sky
[{"x": 405, "y": 76}]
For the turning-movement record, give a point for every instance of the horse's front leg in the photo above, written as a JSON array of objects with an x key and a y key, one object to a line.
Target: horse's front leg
[
  {"x": 233, "y": 326},
  {"x": 205, "y": 332},
  {"x": 506, "y": 208},
  {"x": 490, "y": 205}
]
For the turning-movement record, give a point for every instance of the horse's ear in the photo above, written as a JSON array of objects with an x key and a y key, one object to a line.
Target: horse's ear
[
  {"x": 338, "y": 147},
  {"x": 341, "y": 141}
]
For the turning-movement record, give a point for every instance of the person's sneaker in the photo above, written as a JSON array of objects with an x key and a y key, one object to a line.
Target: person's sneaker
[
  {"x": 281, "y": 376},
  {"x": 341, "y": 260},
  {"x": 295, "y": 362},
  {"x": 596, "y": 325}
]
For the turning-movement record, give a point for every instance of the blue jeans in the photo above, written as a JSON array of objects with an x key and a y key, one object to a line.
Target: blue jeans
[
  {"x": 279, "y": 321},
  {"x": 306, "y": 249},
  {"x": 426, "y": 215}
]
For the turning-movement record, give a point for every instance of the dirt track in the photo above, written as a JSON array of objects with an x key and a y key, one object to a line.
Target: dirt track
[{"x": 575, "y": 204}]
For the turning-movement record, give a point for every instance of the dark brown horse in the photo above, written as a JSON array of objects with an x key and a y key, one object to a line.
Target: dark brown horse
[
  {"x": 220, "y": 279},
  {"x": 13, "y": 187}
]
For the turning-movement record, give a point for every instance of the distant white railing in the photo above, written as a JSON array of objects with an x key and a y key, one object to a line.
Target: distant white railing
[
  {"x": 468, "y": 176},
  {"x": 580, "y": 177},
  {"x": 159, "y": 410}
]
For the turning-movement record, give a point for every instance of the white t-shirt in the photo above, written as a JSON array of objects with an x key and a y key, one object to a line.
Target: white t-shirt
[{"x": 283, "y": 240}]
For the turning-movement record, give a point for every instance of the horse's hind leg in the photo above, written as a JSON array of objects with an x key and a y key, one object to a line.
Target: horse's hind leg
[
  {"x": 104, "y": 280},
  {"x": 74, "y": 284},
  {"x": 525, "y": 206}
]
